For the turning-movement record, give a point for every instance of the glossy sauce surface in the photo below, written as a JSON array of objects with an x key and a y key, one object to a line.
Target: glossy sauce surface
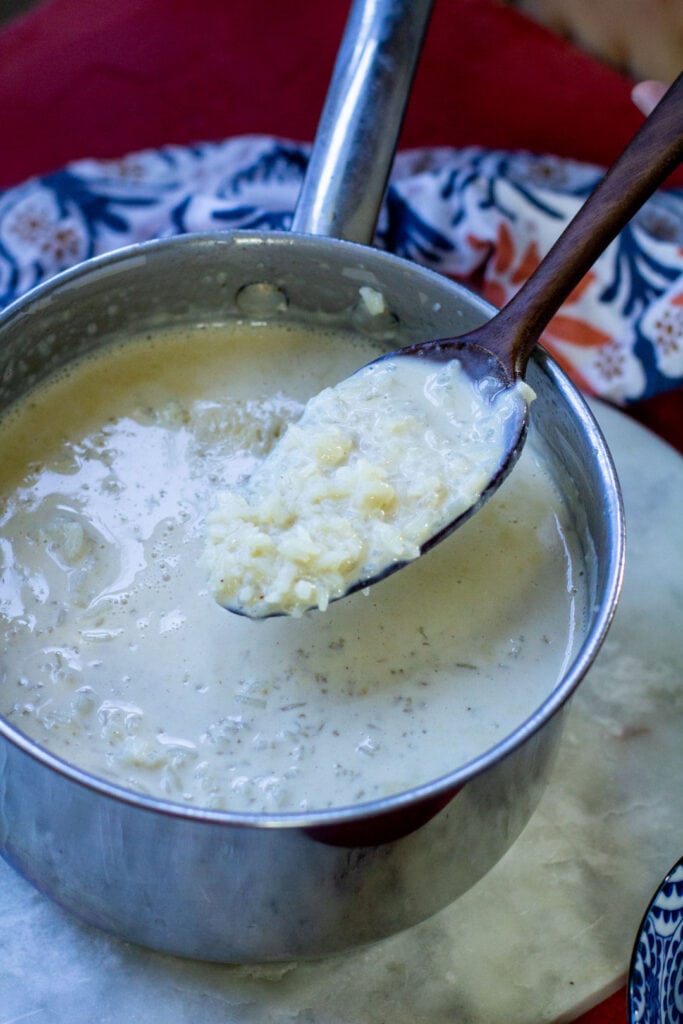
[{"x": 117, "y": 658}]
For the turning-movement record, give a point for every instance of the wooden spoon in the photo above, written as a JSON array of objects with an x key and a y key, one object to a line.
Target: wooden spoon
[{"x": 495, "y": 355}]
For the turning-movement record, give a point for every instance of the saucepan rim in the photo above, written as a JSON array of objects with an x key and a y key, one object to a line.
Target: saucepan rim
[{"x": 602, "y": 613}]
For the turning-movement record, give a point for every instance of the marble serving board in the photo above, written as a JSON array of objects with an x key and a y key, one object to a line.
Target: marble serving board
[{"x": 544, "y": 936}]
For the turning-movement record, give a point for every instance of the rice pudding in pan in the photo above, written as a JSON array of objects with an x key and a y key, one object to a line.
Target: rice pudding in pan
[{"x": 117, "y": 658}]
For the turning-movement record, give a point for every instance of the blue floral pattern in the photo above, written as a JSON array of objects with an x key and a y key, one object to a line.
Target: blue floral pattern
[
  {"x": 482, "y": 217},
  {"x": 656, "y": 986}
]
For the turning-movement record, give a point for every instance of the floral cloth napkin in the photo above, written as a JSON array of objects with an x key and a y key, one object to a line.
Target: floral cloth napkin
[{"x": 482, "y": 217}]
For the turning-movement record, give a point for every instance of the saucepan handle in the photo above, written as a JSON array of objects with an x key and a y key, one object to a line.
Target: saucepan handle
[{"x": 361, "y": 119}]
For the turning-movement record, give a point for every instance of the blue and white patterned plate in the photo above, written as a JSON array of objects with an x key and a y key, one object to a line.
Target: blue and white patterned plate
[
  {"x": 483, "y": 217},
  {"x": 656, "y": 979}
]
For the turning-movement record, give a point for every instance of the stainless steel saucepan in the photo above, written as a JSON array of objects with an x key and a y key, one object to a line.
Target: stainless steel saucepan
[{"x": 240, "y": 887}]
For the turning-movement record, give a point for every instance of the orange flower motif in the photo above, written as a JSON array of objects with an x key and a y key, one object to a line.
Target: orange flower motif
[{"x": 509, "y": 269}]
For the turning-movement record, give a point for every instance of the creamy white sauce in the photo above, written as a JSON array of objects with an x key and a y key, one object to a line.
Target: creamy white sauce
[
  {"x": 376, "y": 466},
  {"x": 116, "y": 657}
]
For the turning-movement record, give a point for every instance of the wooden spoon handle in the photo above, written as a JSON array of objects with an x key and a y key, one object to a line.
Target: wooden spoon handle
[{"x": 651, "y": 155}]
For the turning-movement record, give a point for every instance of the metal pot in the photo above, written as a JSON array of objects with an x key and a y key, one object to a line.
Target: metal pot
[{"x": 239, "y": 887}]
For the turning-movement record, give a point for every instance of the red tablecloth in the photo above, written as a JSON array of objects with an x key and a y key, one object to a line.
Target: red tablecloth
[{"x": 79, "y": 78}]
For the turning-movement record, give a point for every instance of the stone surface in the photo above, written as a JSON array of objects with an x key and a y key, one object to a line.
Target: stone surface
[{"x": 546, "y": 934}]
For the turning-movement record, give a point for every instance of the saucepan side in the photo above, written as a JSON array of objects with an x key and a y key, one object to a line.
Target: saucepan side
[
  {"x": 242, "y": 887},
  {"x": 239, "y": 887}
]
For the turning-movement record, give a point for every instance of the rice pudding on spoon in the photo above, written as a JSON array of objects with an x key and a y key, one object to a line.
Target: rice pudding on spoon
[{"x": 373, "y": 466}]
